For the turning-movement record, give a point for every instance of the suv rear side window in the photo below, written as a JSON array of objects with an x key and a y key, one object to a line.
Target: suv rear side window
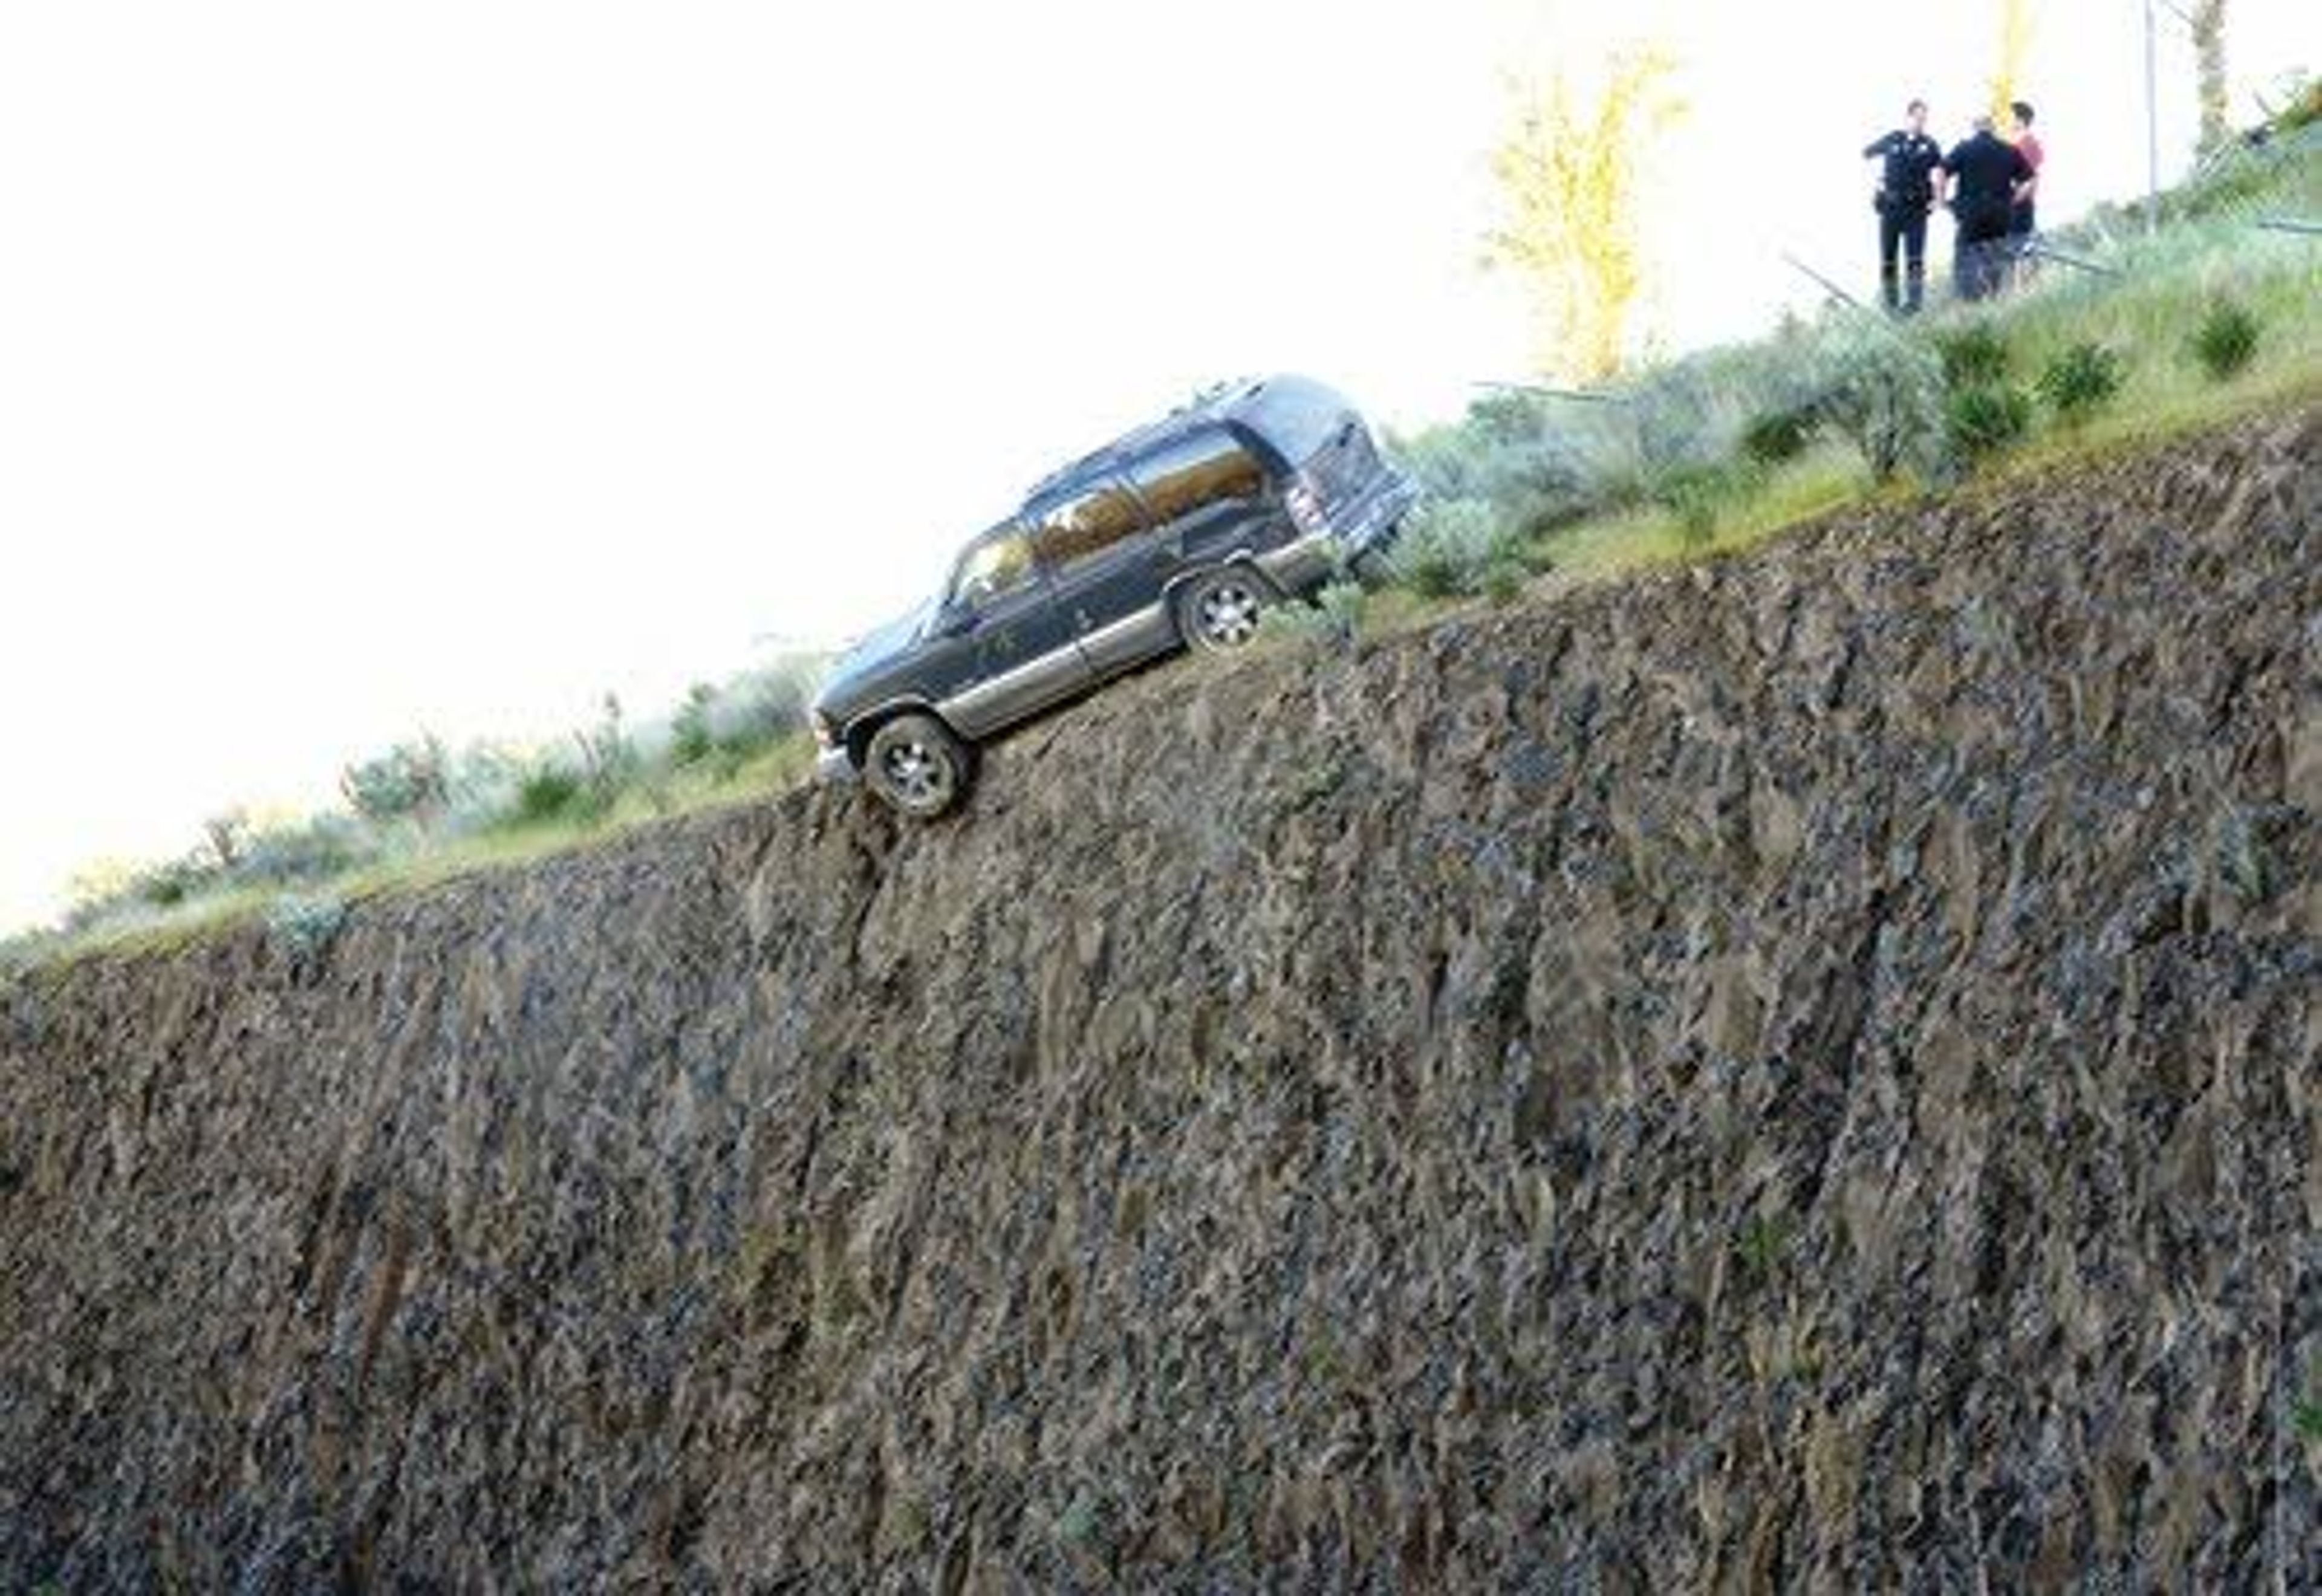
[
  {"x": 1205, "y": 468},
  {"x": 1086, "y": 524}
]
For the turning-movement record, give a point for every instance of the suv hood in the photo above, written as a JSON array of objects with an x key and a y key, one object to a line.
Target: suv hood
[{"x": 877, "y": 646}]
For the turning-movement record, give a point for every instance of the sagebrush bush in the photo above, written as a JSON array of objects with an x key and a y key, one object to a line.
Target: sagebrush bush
[
  {"x": 2081, "y": 381},
  {"x": 308, "y": 850},
  {"x": 1332, "y": 618},
  {"x": 2224, "y": 340},
  {"x": 408, "y": 781},
  {"x": 305, "y": 926},
  {"x": 1453, "y": 548},
  {"x": 1985, "y": 418},
  {"x": 1881, "y": 391},
  {"x": 1973, "y": 356}
]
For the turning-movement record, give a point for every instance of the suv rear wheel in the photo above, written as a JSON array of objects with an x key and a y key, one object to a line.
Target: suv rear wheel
[
  {"x": 1218, "y": 609},
  {"x": 915, "y": 763}
]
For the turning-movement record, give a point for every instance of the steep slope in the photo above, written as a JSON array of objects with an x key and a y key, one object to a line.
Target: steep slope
[{"x": 1797, "y": 1069}]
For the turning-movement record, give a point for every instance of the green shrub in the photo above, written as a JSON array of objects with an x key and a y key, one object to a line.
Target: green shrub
[
  {"x": 691, "y": 739},
  {"x": 1776, "y": 436},
  {"x": 2226, "y": 339},
  {"x": 2081, "y": 381},
  {"x": 1972, "y": 357},
  {"x": 1986, "y": 418},
  {"x": 549, "y": 792}
]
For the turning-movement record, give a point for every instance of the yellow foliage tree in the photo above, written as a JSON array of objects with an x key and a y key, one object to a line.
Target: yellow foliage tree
[
  {"x": 2015, "y": 49},
  {"x": 1571, "y": 179}
]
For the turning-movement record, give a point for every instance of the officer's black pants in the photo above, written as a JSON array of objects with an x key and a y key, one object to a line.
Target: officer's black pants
[
  {"x": 1906, "y": 227},
  {"x": 1979, "y": 265}
]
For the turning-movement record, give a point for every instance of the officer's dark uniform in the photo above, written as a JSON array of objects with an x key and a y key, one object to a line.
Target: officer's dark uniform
[
  {"x": 1985, "y": 170},
  {"x": 1906, "y": 190}
]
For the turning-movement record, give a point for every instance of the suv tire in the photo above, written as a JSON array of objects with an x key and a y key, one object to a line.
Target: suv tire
[
  {"x": 916, "y": 765},
  {"x": 1218, "y": 610}
]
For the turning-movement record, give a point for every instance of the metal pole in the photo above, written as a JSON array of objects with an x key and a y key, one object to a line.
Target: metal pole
[
  {"x": 2152, "y": 130},
  {"x": 1822, "y": 282}
]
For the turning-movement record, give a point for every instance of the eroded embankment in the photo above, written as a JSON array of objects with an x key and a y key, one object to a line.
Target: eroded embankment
[{"x": 1798, "y": 1068}]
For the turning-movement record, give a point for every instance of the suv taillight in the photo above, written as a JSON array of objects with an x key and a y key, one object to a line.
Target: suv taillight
[{"x": 1305, "y": 505}]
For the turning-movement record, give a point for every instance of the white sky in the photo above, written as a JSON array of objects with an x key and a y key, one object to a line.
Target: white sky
[{"x": 366, "y": 369}]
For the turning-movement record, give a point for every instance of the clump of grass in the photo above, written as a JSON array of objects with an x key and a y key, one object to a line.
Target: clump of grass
[
  {"x": 2080, "y": 381},
  {"x": 1974, "y": 356},
  {"x": 1983, "y": 419},
  {"x": 2226, "y": 340},
  {"x": 1699, "y": 497}
]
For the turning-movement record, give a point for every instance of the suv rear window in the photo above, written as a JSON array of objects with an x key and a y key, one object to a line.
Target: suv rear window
[{"x": 1205, "y": 468}]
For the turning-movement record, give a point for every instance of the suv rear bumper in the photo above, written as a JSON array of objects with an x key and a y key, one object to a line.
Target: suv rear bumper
[{"x": 1367, "y": 528}]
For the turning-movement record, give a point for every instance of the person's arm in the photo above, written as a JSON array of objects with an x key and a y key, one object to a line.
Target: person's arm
[
  {"x": 1878, "y": 146},
  {"x": 2027, "y": 179}
]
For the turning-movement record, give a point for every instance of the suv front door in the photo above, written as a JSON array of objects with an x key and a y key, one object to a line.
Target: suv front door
[{"x": 1009, "y": 648}]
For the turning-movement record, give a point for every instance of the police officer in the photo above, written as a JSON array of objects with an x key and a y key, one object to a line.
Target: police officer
[
  {"x": 1986, "y": 176},
  {"x": 1907, "y": 192}
]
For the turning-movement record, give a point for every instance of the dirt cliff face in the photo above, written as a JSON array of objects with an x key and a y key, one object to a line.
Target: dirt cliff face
[{"x": 1795, "y": 1070}]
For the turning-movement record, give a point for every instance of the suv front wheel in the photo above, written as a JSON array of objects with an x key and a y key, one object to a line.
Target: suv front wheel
[
  {"x": 1218, "y": 609},
  {"x": 915, "y": 764}
]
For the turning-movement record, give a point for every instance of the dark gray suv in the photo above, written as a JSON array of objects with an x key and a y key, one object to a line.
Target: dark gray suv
[{"x": 1178, "y": 533}]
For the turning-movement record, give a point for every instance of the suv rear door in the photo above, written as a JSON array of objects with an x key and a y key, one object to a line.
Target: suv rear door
[{"x": 1094, "y": 540}]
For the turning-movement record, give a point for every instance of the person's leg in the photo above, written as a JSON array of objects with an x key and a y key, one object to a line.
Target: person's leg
[
  {"x": 1888, "y": 235},
  {"x": 1914, "y": 253}
]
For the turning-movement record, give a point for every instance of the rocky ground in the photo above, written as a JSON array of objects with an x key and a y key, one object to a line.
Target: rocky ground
[{"x": 1799, "y": 1071}]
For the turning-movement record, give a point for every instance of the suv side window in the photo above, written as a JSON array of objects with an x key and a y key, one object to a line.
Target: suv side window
[
  {"x": 1086, "y": 524},
  {"x": 993, "y": 567},
  {"x": 1206, "y": 469}
]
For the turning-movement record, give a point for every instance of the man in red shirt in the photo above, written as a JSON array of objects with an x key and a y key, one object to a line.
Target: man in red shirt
[{"x": 2020, "y": 220}]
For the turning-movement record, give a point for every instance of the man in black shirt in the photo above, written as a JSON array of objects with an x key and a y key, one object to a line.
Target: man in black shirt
[
  {"x": 1985, "y": 175},
  {"x": 1907, "y": 192}
]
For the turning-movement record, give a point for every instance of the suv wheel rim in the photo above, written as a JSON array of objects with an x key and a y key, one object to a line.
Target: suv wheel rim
[
  {"x": 916, "y": 774},
  {"x": 1229, "y": 614}
]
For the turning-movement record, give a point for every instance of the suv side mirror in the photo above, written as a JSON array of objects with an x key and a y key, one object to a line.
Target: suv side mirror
[{"x": 954, "y": 620}]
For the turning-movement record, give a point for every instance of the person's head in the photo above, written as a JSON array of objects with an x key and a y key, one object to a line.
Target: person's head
[
  {"x": 2023, "y": 112},
  {"x": 1915, "y": 113},
  {"x": 1982, "y": 124}
]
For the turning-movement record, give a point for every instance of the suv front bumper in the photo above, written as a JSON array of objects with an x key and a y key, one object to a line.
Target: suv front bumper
[{"x": 832, "y": 765}]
